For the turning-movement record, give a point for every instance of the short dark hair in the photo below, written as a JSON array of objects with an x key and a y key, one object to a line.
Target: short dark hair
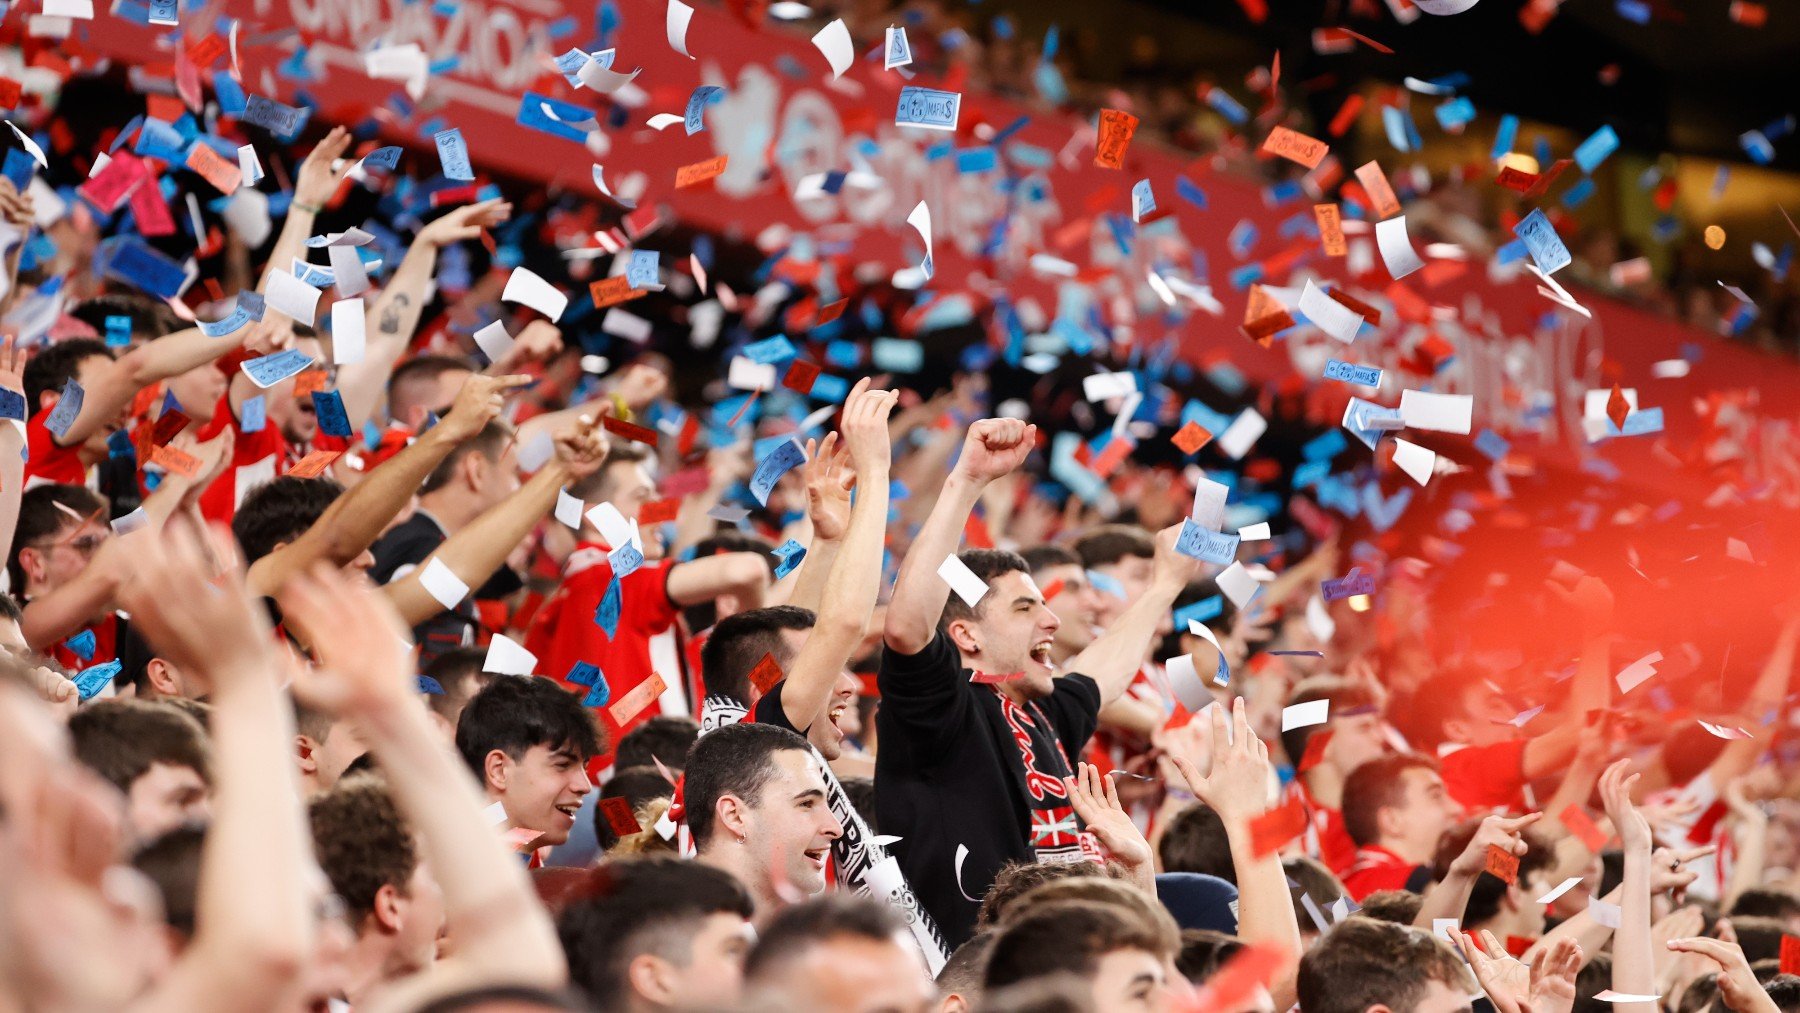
[
  {"x": 704, "y": 613},
  {"x": 1195, "y": 841},
  {"x": 1374, "y": 786},
  {"x": 150, "y": 318},
  {"x": 490, "y": 443},
  {"x": 279, "y": 511},
  {"x": 451, "y": 669},
  {"x": 860, "y": 792},
  {"x": 1343, "y": 695},
  {"x": 1398, "y": 906},
  {"x": 171, "y": 861},
  {"x": 362, "y": 842},
  {"x": 9, "y": 608},
  {"x": 122, "y": 739},
  {"x": 986, "y": 564},
  {"x": 516, "y": 712},
  {"x": 51, "y": 369},
  {"x": 1204, "y": 951},
  {"x": 665, "y": 737},
  {"x": 598, "y": 486},
  {"x": 44, "y": 513},
  {"x": 800, "y": 927},
  {"x": 425, "y": 368},
  {"x": 1439, "y": 699},
  {"x": 1784, "y": 992},
  {"x": 1109, "y": 543},
  {"x": 1595, "y": 977},
  {"x": 962, "y": 973},
  {"x": 738, "y": 642},
  {"x": 1016, "y": 879},
  {"x": 486, "y": 997},
  {"x": 637, "y": 786},
  {"x": 1765, "y": 902},
  {"x": 1315, "y": 881},
  {"x": 1760, "y": 938},
  {"x": 1362, "y": 962},
  {"x": 1068, "y": 936},
  {"x": 1489, "y": 890},
  {"x": 1042, "y": 557},
  {"x": 646, "y": 905},
  {"x": 734, "y": 760}
]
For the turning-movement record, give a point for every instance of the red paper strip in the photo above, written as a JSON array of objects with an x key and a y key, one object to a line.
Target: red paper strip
[{"x": 1116, "y": 128}]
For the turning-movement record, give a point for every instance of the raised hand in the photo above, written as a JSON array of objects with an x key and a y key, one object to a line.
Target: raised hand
[
  {"x": 864, "y": 423},
  {"x": 12, "y": 366},
  {"x": 1668, "y": 867},
  {"x": 480, "y": 401},
  {"x": 1237, "y": 786},
  {"x": 1172, "y": 569},
  {"x": 1547, "y": 986},
  {"x": 318, "y": 179},
  {"x": 365, "y": 661},
  {"x": 995, "y": 447},
  {"x": 1589, "y": 598},
  {"x": 1615, "y": 792},
  {"x": 466, "y": 222},
  {"x": 212, "y": 627},
  {"x": 214, "y": 455},
  {"x": 829, "y": 479},
  {"x": 583, "y": 449},
  {"x": 640, "y": 385},
  {"x": 1095, "y": 799},
  {"x": 539, "y": 341},
  {"x": 1738, "y": 986},
  {"x": 1504, "y": 832},
  {"x": 16, "y": 206}
]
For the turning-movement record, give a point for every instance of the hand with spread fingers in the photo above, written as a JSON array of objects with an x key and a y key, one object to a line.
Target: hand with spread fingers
[
  {"x": 1547, "y": 986},
  {"x": 1095, "y": 799},
  {"x": 829, "y": 479},
  {"x": 318, "y": 178},
  {"x": 1237, "y": 786},
  {"x": 1739, "y": 989},
  {"x": 466, "y": 222},
  {"x": 365, "y": 660}
]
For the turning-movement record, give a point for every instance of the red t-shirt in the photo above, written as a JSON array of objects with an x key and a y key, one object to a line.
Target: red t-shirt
[
  {"x": 106, "y": 645},
  {"x": 1486, "y": 777},
  {"x": 1377, "y": 868},
  {"x": 255, "y": 458},
  {"x": 1326, "y": 837},
  {"x": 564, "y": 630},
  {"x": 49, "y": 461}
]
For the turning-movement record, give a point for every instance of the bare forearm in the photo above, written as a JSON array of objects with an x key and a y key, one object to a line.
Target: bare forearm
[
  {"x": 489, "y": 905},
  {"x": 353, "y": 522},
  {"x": 1634, "y": 961},
  {"x": 917, "y": 470},
  {"x": 12, "y": 485},
  {"x": 919, "y": 593},
  {"x": 808, "y": 590},
  {"x": 1266, "y": 910},
  {"x": 253, "y": 913},
  {"x": 847, "y": 599},
  {"x": 50, "y": 618},
  {"x": 1114, "y": 660},
  {"x": 479, "y": 550},
  {"x": 1131, "y": 715},
  {"x": 1446, "y": 899},
  {"x": 295, "y": 228},
  {"x": 1747, "y": 866}
]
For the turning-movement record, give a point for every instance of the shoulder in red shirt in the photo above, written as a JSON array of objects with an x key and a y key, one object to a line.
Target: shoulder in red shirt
[
  {"x": 1377, "y": 868},
  {"x": 49, "y": 461},
  {"x": 1486, "y": 777}
]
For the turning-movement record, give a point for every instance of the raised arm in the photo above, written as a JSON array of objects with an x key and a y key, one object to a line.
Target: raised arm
[
  {"x": 477, "y": 551},
  {"x": 635, "y": 388},
  {"x": 854, "y": 580},
  {"x": 1592, "y": 603},
  {"x": 353, "y": 522},
  {"x": 1449, "y": 897},
  {"x": 1634, "y": 960},
  {"x": 394, "y": 315},
  {"x": 314, "y": 185},
  {"x": 1766, "y": 694},
  {"x": 12, "y": 443},
  {"x": 1113, "y": 660},
  {"x": 829, "y": 478},
  {"x": 992, "y": 448},
  {"x": 254, "y": 922},
  {"x": 1237, "y": 788},
  {"x": 502, "y": 933},
  {"x": 18, "y": 211},
  {"x": 744, "y": 574}
]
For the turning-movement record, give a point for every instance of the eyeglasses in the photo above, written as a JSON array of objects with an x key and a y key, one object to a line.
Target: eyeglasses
[{"x": 84, "y": 546}]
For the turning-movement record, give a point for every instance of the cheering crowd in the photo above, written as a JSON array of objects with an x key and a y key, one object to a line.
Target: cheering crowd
[{"x": 431, "y": 660}]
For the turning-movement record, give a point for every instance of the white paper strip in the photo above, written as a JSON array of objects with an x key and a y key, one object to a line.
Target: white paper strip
[
  {"x": 677, "y": 23},
  {"x": 1438, "y": 413},
  {"x": 1415, "y": 460},
  {"x": 1303, "y": 715},
  {"x": 348, "y": 331},
  {"x": 1396, "y": 249},
  {"x": 506, "y": 657},
  {"x": 1329, "y": 315},
  {"x": 525, "y": 287},
  {"x": 494, "y": 341},
  {"x": 443, "y": 583},
  {"x": 290, "y": 295},
  {"x": 962, "y": 580},
  {"x": 834, "y": 41}
]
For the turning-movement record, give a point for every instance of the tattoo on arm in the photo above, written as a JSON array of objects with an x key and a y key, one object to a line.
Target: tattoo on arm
[{"x": 390, "y": 317}]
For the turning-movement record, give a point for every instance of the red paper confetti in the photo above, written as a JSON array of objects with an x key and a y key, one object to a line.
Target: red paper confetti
[
  {"x": 1272, "y": 831},
  {"x": 1503, "y": 864},
  {"x": 619, "y": 816}
]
